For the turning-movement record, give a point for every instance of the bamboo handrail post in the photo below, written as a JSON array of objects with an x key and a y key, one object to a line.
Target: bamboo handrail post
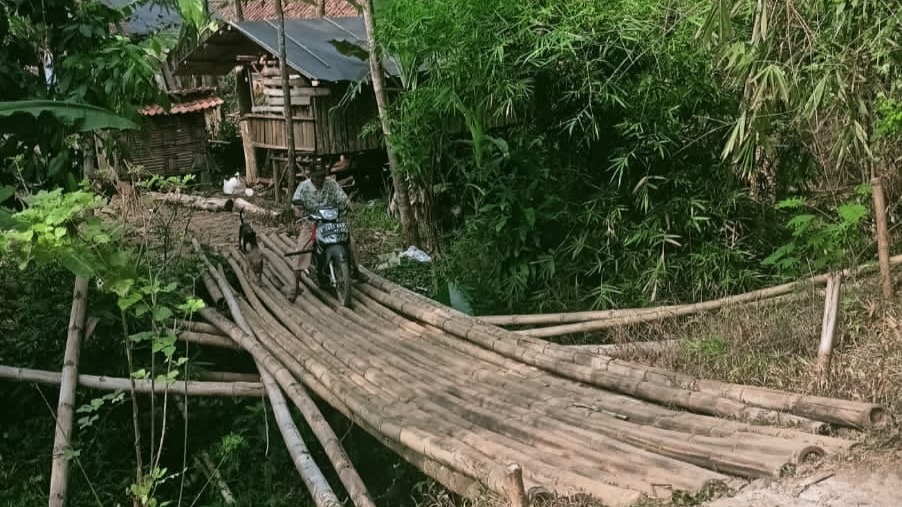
[
  {"x": 59, "y": 475},
  {"x": 886, "y": 280}
]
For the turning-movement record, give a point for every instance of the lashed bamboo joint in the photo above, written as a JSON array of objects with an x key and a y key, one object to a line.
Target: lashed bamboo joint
[{"x": 462, "y": 399}]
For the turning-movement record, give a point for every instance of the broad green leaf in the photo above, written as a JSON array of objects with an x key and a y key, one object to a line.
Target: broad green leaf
[{"x": 26, "y": 116}]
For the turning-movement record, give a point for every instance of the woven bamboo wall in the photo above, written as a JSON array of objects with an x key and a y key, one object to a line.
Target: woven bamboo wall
[{"x": 169, "y": 144}]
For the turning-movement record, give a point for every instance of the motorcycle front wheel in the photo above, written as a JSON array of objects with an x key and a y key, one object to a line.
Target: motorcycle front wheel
[{"x": 342, "y": 281}]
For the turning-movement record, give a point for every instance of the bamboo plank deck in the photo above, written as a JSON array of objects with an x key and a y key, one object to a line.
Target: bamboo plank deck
[{"x": 462, "y": 399}]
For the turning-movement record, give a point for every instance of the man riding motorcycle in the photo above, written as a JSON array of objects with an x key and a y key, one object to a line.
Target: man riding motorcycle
[{"x": 316, "y": 192}]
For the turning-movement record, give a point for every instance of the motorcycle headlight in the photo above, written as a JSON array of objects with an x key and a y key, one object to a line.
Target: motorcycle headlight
[{"x": 328, "y": 213}]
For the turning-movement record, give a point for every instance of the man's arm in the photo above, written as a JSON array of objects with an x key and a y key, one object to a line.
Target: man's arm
[{"x": 338, "y": 196}]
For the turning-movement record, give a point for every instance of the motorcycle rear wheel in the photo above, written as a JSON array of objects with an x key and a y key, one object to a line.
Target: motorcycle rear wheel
[{"x": 342, "y": 281}]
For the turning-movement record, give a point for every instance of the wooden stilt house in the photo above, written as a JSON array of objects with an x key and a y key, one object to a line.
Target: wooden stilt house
[{"x": 332, "y": 102}]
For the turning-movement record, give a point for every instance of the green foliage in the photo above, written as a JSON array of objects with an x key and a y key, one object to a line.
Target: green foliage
[
  {"x": 822, "y": 240},
  {"x": 811, "y": 73},
  {"x": 79, "y": 61},
  {"x": 30, "y": 116},
  {"x": 581, "y": 141}
]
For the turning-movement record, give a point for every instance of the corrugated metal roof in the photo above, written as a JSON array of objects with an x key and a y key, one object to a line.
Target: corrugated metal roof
[
  {"x": 261, "y": 10},
  {"x": 147, "y": 18},
  {"x": 326, "y": 49}
]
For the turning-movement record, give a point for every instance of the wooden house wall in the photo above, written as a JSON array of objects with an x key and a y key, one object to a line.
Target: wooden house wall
[
  {"x": 319, "y": 127},
  {"x": 339, "y": 128}
]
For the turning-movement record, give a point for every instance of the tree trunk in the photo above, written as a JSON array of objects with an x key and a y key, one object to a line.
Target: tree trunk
[
  {"x": 286, "y": 109},
  {"x": 411, "y": 232},
  {"x": 59, "y": 474},
  {"x": 886, "y": 280},
  {"x": 321, "y": 8}
]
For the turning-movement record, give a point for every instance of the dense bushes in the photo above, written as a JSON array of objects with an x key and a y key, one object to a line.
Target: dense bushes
[{"x": 606, "y": 187}]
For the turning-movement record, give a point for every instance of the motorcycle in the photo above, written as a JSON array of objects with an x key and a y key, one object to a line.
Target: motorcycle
[{"x": 331, "y": 262}]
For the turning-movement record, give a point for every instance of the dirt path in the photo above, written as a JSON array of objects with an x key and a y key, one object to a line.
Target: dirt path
[{"x": 872, "y": 482}]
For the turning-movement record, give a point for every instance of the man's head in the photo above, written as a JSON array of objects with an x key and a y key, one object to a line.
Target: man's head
[{"x": 317, "y": 176}]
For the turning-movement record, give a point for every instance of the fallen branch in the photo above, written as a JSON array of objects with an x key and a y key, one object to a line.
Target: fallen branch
[
  {"x": 677, "y": 311},
  {"x": 211, "y": 203},
  {"x": 195, "y": 388},
  {"x": 313, "y": 478},
  {"x": 68, "y": 379}
]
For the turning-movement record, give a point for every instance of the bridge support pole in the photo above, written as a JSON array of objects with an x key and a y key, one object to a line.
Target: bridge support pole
[{"x": 513, "y": 482}]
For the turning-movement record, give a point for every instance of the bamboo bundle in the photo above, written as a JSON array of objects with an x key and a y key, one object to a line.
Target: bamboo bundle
[
  {"x": 634, "y": 380},
  {"x": 408, "y": 383},
  {"x": 335, "y": 452},
  {"x": 418, "y": 366},
  {"x": 195, "y": 388},
  {"x": 469, "y": 407},
  {"x": 647, "y": 414},
  {"x": 460, "y": 484},
  {"x": 316, "y": 483},
  {"x": 425, "y": 374},
  {"x": 450, "y": 453},
  {"x": 650, "y": 383},
  {"x": 266, "y": 297}
]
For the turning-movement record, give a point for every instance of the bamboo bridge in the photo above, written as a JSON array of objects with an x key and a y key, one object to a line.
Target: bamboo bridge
[{"x": 463, "y": 399}]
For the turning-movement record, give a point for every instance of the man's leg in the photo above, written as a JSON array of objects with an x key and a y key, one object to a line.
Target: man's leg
[
  {"x": 302, "y": 261},
  {"x": 355, "y": 270}
]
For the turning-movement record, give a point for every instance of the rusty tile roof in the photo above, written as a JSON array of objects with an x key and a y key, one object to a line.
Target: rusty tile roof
[
  {"x": 182, "y": 107},
  {"x": 261, "y": 10}
]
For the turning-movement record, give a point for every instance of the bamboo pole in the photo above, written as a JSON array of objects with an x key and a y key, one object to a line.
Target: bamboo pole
[
  {"x": 200, "y": 327},
  {"x": 313, "y": 478},
  {"x": 516, "y": 494},
  {"x": 828, "y": 328},
  {"x": 227, "y": 376},
  {"x": 886, "y": 280},
  {"x": 193, "y": 388},
  {"x": 213, "y": 340},
  {"x": 348, "y": 475},
  {"x": 585, "y": 322},
  {"x": 212, "y": 289},
  {"x": 59, "y": 475}
]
